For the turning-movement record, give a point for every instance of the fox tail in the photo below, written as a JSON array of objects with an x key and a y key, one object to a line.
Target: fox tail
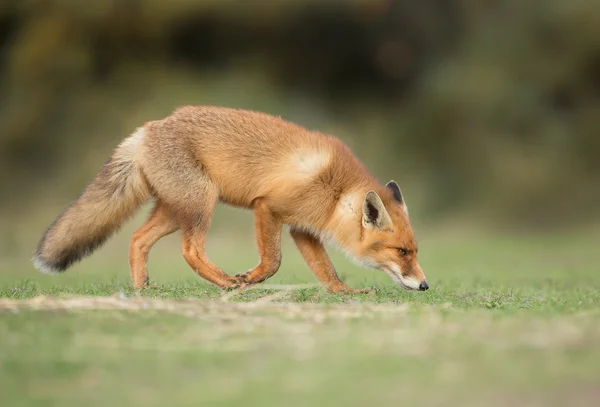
[{"x": 106, "y": 203}]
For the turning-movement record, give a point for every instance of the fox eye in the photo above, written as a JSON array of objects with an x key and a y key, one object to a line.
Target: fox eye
[{"x": 402, "y": 251}]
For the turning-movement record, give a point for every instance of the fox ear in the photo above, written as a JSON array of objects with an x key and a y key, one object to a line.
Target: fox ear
[
  {"x": 374, "y": 213},
  {"x": 397, "y": 193},
  {"x": 395, "y": 188}
]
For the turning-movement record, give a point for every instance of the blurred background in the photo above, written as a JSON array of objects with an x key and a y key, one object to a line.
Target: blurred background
[{"x": 487, "y": 112}]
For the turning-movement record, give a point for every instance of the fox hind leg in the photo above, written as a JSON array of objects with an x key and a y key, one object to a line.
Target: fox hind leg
[
  {"x": 179, "y": 180},
  {"x": 159, "y": 224},
  {"x": 195, "y": 226}
]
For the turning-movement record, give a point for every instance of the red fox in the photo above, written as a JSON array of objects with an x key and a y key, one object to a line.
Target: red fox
[{"x": 288, "y": 175}]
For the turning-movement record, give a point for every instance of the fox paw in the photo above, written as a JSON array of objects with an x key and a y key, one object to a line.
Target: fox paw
[
  {"x": 236, "y": 282},
  {"x": 242, "y": 276},
  {"x": 146, "y": 286},
  {"x": 246, "y": 278}
]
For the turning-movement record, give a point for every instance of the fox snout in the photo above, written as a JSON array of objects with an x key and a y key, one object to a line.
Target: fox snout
[
  {"x": 418, "y": 275},
  {"x": 411, "y": 280},
  {"x": 411, "y": 283}
]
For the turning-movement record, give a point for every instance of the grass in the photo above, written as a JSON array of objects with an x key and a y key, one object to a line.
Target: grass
[{"x": 508, "y": 320}]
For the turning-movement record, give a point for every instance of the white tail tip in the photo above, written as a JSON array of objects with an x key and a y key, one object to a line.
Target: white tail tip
[{"x": 44, "y": 267}]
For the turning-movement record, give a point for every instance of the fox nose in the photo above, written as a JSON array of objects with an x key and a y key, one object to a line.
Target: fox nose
[{"x": 423, "y": 286}]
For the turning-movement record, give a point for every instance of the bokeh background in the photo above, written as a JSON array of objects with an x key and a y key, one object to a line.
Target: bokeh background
[{"x": 487, "y": 112}]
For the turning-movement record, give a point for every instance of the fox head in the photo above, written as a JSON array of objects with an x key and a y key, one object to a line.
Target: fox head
[{"x": 387, "y": 241}]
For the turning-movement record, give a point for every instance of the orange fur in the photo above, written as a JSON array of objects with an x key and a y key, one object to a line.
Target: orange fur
[{"x": 200, "y": 155}]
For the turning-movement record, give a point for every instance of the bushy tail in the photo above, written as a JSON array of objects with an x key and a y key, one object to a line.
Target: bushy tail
[{"x": 106, "y": 203}]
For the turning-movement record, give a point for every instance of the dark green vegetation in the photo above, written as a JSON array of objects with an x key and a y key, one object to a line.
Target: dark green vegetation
[
  {"x": 454, "y": 95},
  {"x": 507, "y": 322}
]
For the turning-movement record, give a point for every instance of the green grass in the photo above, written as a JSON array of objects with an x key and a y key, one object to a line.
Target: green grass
[{"x": 508, "y": 320}]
